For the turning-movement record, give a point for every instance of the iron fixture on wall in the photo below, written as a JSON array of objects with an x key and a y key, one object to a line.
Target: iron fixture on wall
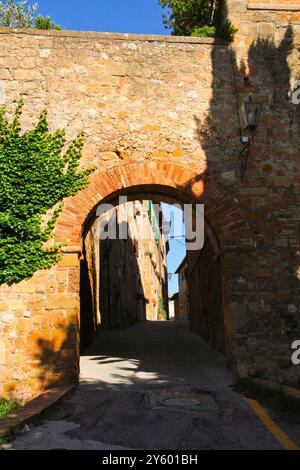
[{"x": 252, "y": 110}]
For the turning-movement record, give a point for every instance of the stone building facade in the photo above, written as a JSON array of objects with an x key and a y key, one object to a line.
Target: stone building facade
[
  {"x": 183, "y": 309},
  {"x": 128, "y": 269},
  {"x": 162, "y": 117}
]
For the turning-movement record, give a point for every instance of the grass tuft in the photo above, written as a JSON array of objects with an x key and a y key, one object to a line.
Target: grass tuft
[{"x": 7, "y": 406}]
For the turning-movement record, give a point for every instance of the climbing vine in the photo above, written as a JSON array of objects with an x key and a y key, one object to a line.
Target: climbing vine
[{"x": 36, "y": 174}]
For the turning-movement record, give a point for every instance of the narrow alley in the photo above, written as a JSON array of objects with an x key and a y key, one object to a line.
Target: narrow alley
[{"x": 155, "y": 385}]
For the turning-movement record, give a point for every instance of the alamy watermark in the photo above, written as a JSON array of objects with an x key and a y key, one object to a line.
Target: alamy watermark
[
  {"x": 296, "y": 353},
  {"x": 296, "y": 92},
  {"x": 295, "y": 95},
  {"x": 188, "y": 227}
]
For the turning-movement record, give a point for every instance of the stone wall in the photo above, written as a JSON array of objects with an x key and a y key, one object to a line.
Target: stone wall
[
  {"x": 39, "y": 330},
  {"x": 267, "y": 49},
  {"x": 163, "y": 111}
]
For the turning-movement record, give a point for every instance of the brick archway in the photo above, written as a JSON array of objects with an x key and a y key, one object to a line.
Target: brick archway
[
  {"x": 176, "y": 180},
  {"x": 166, "y": 179}
]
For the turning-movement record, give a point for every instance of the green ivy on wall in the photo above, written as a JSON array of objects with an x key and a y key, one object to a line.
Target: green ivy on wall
[{"x": 36, "y": 174}]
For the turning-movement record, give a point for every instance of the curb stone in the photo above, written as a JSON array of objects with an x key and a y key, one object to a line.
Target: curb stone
[{"x": 33, "y": 409}]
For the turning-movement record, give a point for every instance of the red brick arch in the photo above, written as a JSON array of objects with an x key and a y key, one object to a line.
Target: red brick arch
[{"x": 172, "y": 179}]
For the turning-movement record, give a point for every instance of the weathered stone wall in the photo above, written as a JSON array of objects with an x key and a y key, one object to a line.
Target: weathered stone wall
[
  {"x": 39, "y": 330},
  {"x": 267, "y": 46},
  {"x": 126, "y": 92},
  {"x": 164, "y": 111}
]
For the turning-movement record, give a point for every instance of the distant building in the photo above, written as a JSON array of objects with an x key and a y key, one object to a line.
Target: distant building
[
  {"x": 174, "y": 306},
  {"x": 183, "y": 294},
  {"x": 205, "y": 295}
]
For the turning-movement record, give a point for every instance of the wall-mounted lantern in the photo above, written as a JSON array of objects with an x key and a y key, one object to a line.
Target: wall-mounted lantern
[{"x": 252, "y": 110}]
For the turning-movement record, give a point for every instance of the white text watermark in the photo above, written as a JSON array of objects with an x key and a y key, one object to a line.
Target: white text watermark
[
  {"x": 296, "y": 353},
  {"x": 188, "y": 226},
  {"x": 296, "y": 92}
]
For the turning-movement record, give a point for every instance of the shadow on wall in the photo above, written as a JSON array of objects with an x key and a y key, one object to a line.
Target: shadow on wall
[
  {"x": 268, "y": 276},
  {"x": 275, "y": 282},
  {"x": 57, "y": 357},
  {"x": 260, "y": 327},
  {"x": 277, "y": 250}
]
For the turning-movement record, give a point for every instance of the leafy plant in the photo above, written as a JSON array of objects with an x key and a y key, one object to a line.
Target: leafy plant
[
  {"x": 205, "y": 32},
  {"x": 35, "y": 176},
  {"x": 227, "y": 31},
  {"x": 162, "y": 313},
  {"x": 45, "y": 23},
  {"x": 7, "y": 406}
]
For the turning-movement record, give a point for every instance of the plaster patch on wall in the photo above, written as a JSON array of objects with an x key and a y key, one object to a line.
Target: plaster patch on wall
[{"x": 45, "y": 53}]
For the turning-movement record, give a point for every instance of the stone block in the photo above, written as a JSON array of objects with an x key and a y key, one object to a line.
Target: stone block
[
  {"x": 36, "y": 302},
  {"x": 17, "y": 304},
  {"x": 7, "y": 318},
  {"x": 69, "y": 259},
  {"x": 30, "y": 74},
  {"x": 61, "y": 301},
  {"x": 262, "y": 191}
]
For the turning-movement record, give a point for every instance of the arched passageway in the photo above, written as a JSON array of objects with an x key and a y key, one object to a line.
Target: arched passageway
[
  {"x": 118, "y": 283},
  {"x": 226, "y": 235}
]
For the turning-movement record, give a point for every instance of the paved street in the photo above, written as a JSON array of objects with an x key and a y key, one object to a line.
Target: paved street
[{"x": 153, "y": 386}]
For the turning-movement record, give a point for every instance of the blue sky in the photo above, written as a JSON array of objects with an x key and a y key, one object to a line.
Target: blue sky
[
  {"x": 120, "y": 16},
  {"x": 177, "y": 245}
]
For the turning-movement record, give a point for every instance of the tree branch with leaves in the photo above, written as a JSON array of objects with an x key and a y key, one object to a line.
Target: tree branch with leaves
[
  {"x": 20, "y": 14},
  {"x": 198, "y": 18}
]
